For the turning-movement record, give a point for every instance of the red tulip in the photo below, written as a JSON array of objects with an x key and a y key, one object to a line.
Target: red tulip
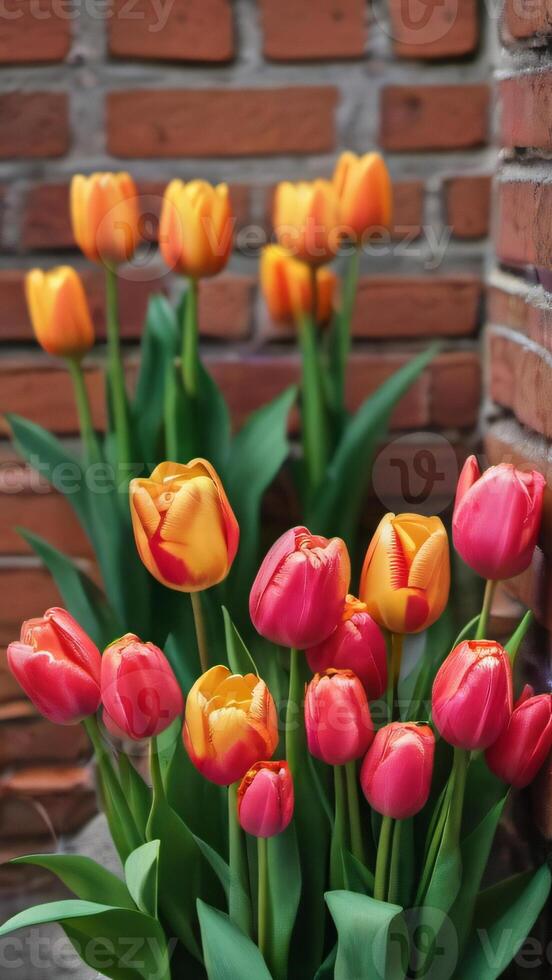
[
  {"x": 140, "y": 693},
  {"x": 265, "y": 799},
  {"x": 521, "y": 749},
  {"x": 337, "y": 717},
  {"x": 58, "y": 667},
  {"x": 497, "y": 517},
  {"x": 358, "y": 645},
  {"x": 472, "y": 694},
  {"x": 396, "y": 773},
  {"x": 299, "y": 593}
]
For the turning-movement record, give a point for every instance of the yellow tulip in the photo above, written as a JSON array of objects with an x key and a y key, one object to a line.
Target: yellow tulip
[
  {"x": 105, "y": 216},
  {"x": 406, "y": 574},
  {"x": 185, "y": 530},
  {"x": 59, "y": 311},
  {"x": 196, "y": 228},
  {"x": 306, "y": 220},
  {"x": 287, "y": 286},
  {"x": 363, "y": 186}
]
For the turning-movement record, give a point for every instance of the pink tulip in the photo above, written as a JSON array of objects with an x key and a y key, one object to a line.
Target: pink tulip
[
  {"x": 396, "y": 773},
  {"x": 521, "y": 749},
  {"x": 497, "y": 517},
  {"x": 266, "y": 799},
  {"x": 140, "y": 693},
  {"x": 337, "y": 717},
  {"x": 358, "y": 645},
  {"x": 299, "y": 593}
]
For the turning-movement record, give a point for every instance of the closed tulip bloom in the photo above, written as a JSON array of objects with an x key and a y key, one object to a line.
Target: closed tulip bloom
[
  {"x": 396, "y": 773},
  {"x": 287, "y": 286},
  {"x": 363, "y": 186},
  {"x": 140, "y": 693},
  {"x": 185, "y": 530},
  {"x": 306, "y": 220},
  {"x": 105, "y": 216},
  {"x": 521, "y": 749},
  {"x": 406, "y": 574},
  {"x": 356, "y": 644},
  {"x": 230, "y": 724},
  {"x": 337, "y": 717},
  {"x": 497, "y": 518},
  {"x": 472, "y": 694},
  {"x": 196, "y": 228},
  {"x": 58, "y": 667},
  {"x": 265, "y": 799},
  {"x": 298, "y": 596},
  {"x": 59, "y": 311}
]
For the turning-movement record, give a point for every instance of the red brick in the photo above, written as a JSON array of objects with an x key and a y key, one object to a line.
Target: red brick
[
  {"x": 417, "y": 307},
  {"x": 26, "y": 737},
  {"x": 442, "y": 28},
  {"x": 515, "y": 308},
  {"x": 62, "y": 795},
  {"x": 188, "y": 30},
  {"x": 524, "y": 222},
  {"x": 520, "y": 378},
  {"x": 468, "y": 205},
  {"x": 216, "y": 122},
  {"x": 313, "y": 29},
  {"x": 525, "y": 18},
  {"x": 526, "y": 110},
  {"x": 33, "y": 32},
  {"x": 434, "y": 117},
  {"x": 225, "y": 307},
  {"x": 41, "y": 391},
  {"x": 34, "y": 124},
  {"x": 408, "y": 208},
  {"x": 27, "y": 590},
  {"x": 456, "y": 389}
]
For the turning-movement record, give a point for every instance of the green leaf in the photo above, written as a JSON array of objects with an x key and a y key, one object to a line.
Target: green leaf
[
  {"x": 137, "y": 792},
  {"x": 227, "y": 878},
  {"x": 157, "y": 350},
  {"x": 518, "y": 636},
  {"x": 83, "y": 876},
  {"x": 239, "y": 658},
  {"x": 141, "y": 874},
  {"x": 372, "y": 937},
  {"x": 284, "y": 883},
  {"x": 214, "y": 421},
  {"x": 229, "y": 955},
  {"x": 358, "y": 878}
]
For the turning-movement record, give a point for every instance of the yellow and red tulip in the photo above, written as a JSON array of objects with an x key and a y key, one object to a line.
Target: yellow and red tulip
[
  {"x": 196, "y": 228},
  {"x": 59, "y": 311},
  {"x": 306, "y": 220},
  {"x": 287, "y": 287},
  {"x": 364, "y": 190},
  {"x": 105, "y": 216}
]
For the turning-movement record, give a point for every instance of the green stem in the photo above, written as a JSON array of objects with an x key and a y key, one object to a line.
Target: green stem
[
  {"x": 394, "y": 869},
  {"x": 112, "y": 785},
  {"x": 397, "y": 640},
  {"x": 155, "y": 771},
  {"x": 262, "y": 907},
  {"x": 339, "y": 831},
  {"x": 89, "y": 438},
  {"x": 449, "y": 820},
  {"x": 382, "y": 860},
  {"x": 238, "y": 905},
  {"x": 357, "y": 843},
  {"x": 485, "y": 610},
  {"x": 200, "y": 629},
  {"x": 190, "y": 341},
  {"x": 116, "y": 374},
  {"x": 313, "y": 408},
  {"x": 294, "y": 714},
  {"x": 343, "y": 325}
]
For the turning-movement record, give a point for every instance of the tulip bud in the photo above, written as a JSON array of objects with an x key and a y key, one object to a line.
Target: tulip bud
[
  {"x": 337, "y": 717},
  {"x": 185, "y": 530},
  {"x": 521, "y": 749},
  {"x": 406, "y": 575},
  {"x": 356, "y": 644},
  {"x": 105, "y": 217},
  {"x": 287, "y": 286},
  {"x": 140, "y": 693},
  {"x": 299, "y": 593},
  {"x": 58, "y": 667},
  {"x": 496, "y": 518},
  {"x": 364, "y": 190},
  {"x": 396, "y": 773},
  {"x": 59, "y": 311},
  {"x": 472, "y": 694},
  {"x": 230, "y": 724},
  {"x": 306, "y": 220},
  {"x": 196, "y": 227},
  {"x": 265, "y": 799}
]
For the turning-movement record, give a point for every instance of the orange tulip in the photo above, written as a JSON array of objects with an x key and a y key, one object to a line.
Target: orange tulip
[
  {"x": 185, "y": 530},
  {"x": 105, "y": 217},
  {"x": 406, "y": 575},
  {"x": 364, "y": 189},
  {"x": 230, "y": 724},
  {"x": 287, "y": 286},
  {"x": 196, "y": 228},
  {"x": 59, "y": 311},
  {"x": 306, "y": 220}
]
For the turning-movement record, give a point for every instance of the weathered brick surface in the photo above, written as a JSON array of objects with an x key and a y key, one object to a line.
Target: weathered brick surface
[
  {"x": 34, "y": 124},
  {"x": 520, "y": 378},
  {"x": 27, "y": 591},
  {"x": 417, "y": 307},
  {"x": 524, "y": 221},
  {"x": 27, "y": 738},
  {"x": 187, "y": 30},
  {"x": 468, "y": 205},
  {"x": 437, "y": 29},
  {"x": 433, "y": 117},
  {"x": 32, "y": 32},
  {"x": 526, "y": 110},
  {"x": 527, "y": 19},
  {"x": 65, "y": 796},
  {"x": 313, "y": 29}
]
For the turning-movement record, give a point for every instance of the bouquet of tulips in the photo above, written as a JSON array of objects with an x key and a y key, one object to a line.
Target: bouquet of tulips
[{"x": 322, "y": 809}]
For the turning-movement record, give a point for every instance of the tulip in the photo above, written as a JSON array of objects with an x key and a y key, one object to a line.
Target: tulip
[
  {"x": 58, "y": 667},
  {"x": 185, "y": 530},
  {"x": 59, "y": 311},
  {"x": 363, "y": 187},
  {"x": 337, "y": 717},
  {"x": 196, "y": 228},
  {"x": 356, "y": 644},
  {"x": 306, "y": 220},
  {"x": 105, "y": 216},
  {"x": 287, "y": 286},
  {"x": 396, "y": 773},
  {"x": 230, "y": 724},
  {"x": 406, "y": 576},
  {"x": 298, "y": 596},
  {"x": 497, "y": 517},
  {"x": 140, "y": 693},
  {"x": 265, "y": 799},
  {"x": 521, "y": 749},
  {"x": 472, "y": 694}
]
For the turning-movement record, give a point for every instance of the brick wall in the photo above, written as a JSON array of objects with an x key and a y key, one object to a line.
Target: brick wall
[{"x": 249, "y": 93}]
